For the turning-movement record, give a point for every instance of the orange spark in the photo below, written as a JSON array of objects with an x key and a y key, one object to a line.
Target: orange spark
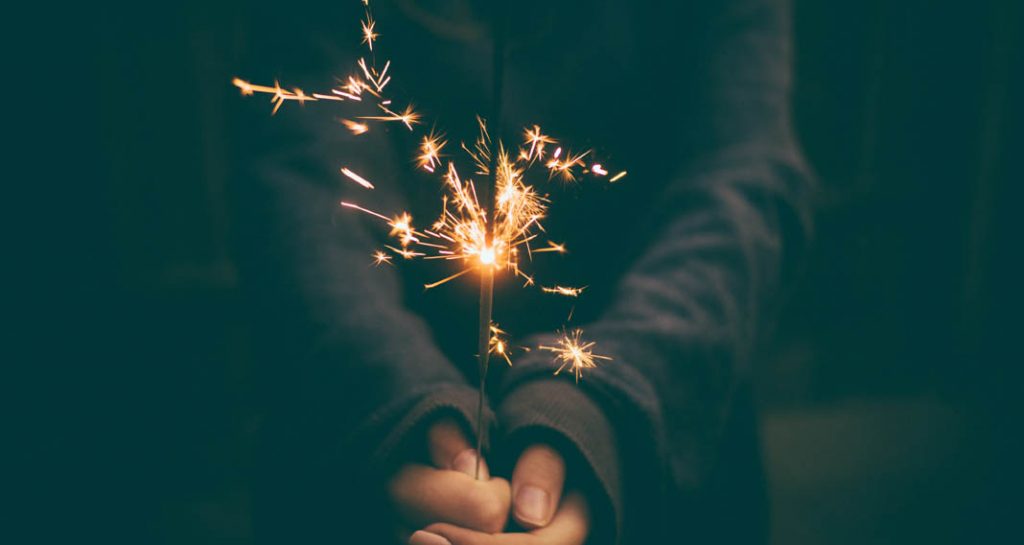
[
  {"x": 574, "y": 354},
  {"x": 380, "y": 258},
  {"x": 430, "y": 151},
  {"x": 354, "y": 126},
  {"x": 552, "y": 247},
  {"x": 356, "y": 178},
  {"x": 368, "y": 34},
  {"x": 536, "y": 141},
  {"x": 407, "y": 117},
  {"x": 499, "y": 343},
  {"x": 565, "y": 166},
  {"x": 564, "y": 290}
]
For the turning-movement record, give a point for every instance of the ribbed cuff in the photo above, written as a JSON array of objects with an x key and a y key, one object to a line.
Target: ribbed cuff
[
  {"x": 553, "y": 409},
  {"x": 400, "y": 433}
]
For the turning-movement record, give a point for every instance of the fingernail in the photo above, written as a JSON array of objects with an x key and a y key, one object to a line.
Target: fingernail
[
  {"x": 532, "y": 505},
  {"x": 422, "y": 537},
  {"x": 465, "y": 462}
]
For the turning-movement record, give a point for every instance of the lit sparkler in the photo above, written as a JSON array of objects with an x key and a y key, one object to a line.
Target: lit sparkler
[{"x": 489, "y": 238}]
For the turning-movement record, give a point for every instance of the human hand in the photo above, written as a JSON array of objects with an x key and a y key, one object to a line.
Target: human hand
[
  {"x": 537, "y": 483},
  {"x": 569, "y": 526},
  {"x": 446, "y": 491}
]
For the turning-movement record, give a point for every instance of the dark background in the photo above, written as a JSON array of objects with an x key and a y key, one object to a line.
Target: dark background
[{"x": 888, "y": 393}]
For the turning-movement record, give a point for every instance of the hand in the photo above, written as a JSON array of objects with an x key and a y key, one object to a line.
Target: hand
[
  {"x": 537, "y": 483},
  {"x": 447, "y": 491},
  {"x": 570, "y": 526}
]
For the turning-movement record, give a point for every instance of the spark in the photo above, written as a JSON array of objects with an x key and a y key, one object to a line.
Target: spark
[
  {"x": 618, "y": 177},
  {"x": 407, "y": 117},
  {"x": 447, "y": 279},
  {"x": 401, "y": 226},
  {"x": 378, "y": 79},
  {"x": 565, "y": 166},
  {"x": 368, "y": 34},
  {"x": 351, "y": 88},
  {"x": 380, "y": 258},
  {"x": 573, "y": 353},
  {"x": 356, "y": 178},
  {"x": 404, "y": 252},
  {"x": 536, "y": 141},
  {"x": 552, "y": 247},
  {"x": 599, "y": 170},
  {"x": 564, "y": 290},
  {"x": 364, "y": 210},
  {"x": 499, "y": 343},
  {"x": 481, "y": 152},
  {"x": 430, "y": 151},
  {"x": 245, "y": 86},
  {"x": 355, "y": 127}
]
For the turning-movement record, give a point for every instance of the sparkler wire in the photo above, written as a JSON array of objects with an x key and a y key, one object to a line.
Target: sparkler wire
[{"x": 487, "y": 281}]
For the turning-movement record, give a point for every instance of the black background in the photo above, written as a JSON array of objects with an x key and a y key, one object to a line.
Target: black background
[{"x": 888, "y": 393}]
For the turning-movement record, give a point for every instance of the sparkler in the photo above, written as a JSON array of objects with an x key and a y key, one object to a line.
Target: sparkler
[{"x": 494, "y": 235}]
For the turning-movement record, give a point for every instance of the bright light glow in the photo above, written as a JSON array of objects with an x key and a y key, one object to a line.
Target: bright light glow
[
  {"x": 487, "y": 256},
  {"x": 489, "y": 236}
]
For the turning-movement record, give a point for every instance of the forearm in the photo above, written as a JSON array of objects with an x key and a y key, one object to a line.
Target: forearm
[
  {"x": 682, "y": 326},
  {"x": 348, "y": 346}
]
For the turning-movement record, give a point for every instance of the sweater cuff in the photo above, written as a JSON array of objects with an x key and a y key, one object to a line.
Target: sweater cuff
[
  {"x": 397, "y": 433},
  {"x": 551, "y": 409}
]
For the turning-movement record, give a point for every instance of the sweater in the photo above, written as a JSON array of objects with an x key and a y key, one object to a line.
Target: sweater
[{"x": 683, "y": 260}]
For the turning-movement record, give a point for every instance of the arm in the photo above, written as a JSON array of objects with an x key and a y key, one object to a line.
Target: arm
[
  {"x": 682, "y": 327},
  {"x": 352, "y": 375}
]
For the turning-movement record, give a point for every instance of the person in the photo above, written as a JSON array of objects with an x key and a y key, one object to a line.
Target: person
[{"x": 371, "y": 380}]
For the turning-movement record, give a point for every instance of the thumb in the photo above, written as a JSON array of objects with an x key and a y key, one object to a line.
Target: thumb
[
  {"x": 537, "y": 482},
  {"x": 449, "y": 449}
]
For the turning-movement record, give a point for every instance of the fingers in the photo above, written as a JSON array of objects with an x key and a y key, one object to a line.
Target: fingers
[
  {"x": 570, "y": 526},
  {"x": 449, "y": 449},
  {"x": 423, "y": 495},
  {"x": 537, "y": 485}
]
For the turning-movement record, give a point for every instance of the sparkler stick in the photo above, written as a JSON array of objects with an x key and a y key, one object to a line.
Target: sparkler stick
[
  {"x": 487, "y": 282},
  {"x": 484, "y": 345}
]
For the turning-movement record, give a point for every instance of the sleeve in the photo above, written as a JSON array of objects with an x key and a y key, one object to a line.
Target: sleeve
[
  {"x": 682, "y": 325},
  {"x": 352, "y": 373}
]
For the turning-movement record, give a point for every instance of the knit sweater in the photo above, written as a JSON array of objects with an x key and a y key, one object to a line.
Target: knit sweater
[{"x": 683, "y": 260}]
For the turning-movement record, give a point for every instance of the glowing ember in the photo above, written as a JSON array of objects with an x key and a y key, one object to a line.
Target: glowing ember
[
  {"x": 574, "y": 354},
  {"x": 355, "y": 127},
  {"x": 356, "y": 178},
  {"x": 564, "y": 290}
]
